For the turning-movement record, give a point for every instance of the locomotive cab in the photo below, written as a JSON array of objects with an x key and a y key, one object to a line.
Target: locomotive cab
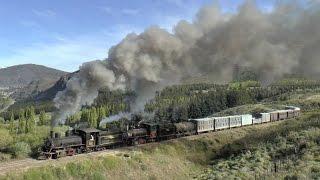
[
  {"x": 151, "y": 129},
  {"x": 89, "y": 136}
]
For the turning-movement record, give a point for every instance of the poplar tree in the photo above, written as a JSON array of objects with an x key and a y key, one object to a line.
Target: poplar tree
[
  {"x": 42, "y": 118},
  {"x": 30, "y": 119},
  {"x": 12, "y": 127},
  {"x": 22, "y": 122}
]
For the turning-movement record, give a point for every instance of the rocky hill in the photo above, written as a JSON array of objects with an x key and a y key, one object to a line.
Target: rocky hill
[
  {"x": 51, "y": 92},
  {"x": 27, "y": 80},
  {"x": 22, "y": 75}
]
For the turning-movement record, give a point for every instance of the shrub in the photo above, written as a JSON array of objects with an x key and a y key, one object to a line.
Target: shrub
[
  {"x": 5, "y": 138},
  {"x": 4, "y": 157},
  {"x": 20, "y": 149},
  {"x": 2, "y": 121}
]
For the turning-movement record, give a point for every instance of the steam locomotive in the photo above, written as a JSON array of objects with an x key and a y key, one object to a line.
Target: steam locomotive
[{"x": 84, "y": 140}]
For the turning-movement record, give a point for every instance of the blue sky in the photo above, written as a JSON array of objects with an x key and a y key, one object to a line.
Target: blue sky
[{"x": 65, "y": 33}]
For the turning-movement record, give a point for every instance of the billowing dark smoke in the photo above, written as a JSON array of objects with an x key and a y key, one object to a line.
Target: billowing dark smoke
[
  {"x": 83, "y": 88},
  {"x": 275, "y": 43}
]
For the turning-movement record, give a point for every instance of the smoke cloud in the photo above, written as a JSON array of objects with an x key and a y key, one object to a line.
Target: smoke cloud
[
  {"x": 285, "y": 40},
  {"x": 115, "y": 118}
]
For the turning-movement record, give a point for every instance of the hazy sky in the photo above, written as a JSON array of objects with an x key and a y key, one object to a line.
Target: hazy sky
[{"x": 65, "y": 33}]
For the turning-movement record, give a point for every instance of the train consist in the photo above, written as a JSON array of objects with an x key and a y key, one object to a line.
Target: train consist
[{"x": 83, "y": 140}]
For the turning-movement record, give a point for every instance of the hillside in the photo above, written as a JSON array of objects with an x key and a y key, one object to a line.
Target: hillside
[
  {"x": 51, "y": 92},
  {"x": 251, "y": 152},
  {"x": 25, "y": 81},
  {"x": 23, "y": 75}
]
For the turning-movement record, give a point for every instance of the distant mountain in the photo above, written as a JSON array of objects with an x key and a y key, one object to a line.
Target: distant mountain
[
  {"x": 28, "y": 80},
  {"x": 22, "y": 75},
  {"x": 51, "y": 92}
]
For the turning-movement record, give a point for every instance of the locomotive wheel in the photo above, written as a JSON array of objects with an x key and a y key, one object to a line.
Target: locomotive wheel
[
  {"x": 71, "y": 152},
  {"x": 54, "y": 156},
  {"x": 49, "y": 156}
]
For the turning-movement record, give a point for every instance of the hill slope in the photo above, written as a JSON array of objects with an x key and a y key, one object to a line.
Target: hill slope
[
  {"x": 22, "y": 75},
  {"x": 59, "y": 85}
]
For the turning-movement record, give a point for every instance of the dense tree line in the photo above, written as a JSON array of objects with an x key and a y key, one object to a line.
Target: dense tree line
[
  {"x": 46, "y": 106},
  {"x": 181, "y": 102},
  {"x": 93, "y": 115},
  {"x": 26, "y": 121}
]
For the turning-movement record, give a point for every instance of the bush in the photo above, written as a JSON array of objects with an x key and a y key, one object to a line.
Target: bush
[
  {"x": 2, "y": 121},
  {"x": 20, "y": 150},
  {"x": 5, "y": 138},
  {"x": 4, "y": 157}
]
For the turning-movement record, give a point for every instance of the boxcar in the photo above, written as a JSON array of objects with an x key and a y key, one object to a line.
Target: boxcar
[
  {"x": 283, "y": 114},
  {"x": 290, "y": 113},
  {"x": 296, "y": 112},
  {"x": 256, "y": 120},
  {"x": 235, "y": 121},
  {"x": 204, "y": 124},
  {"x": 274, "y": 116},
  {"x": 265, "y": 117},
  {"x": 221, "y": 123},
  {"x": 246, "y": 119}
]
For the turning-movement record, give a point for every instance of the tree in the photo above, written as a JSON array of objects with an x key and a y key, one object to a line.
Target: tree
[
  {"x": 101, "y": 114},
  {"x": 93, "y": 120},
  {"x": 12, "y": 117},
  {"x": 43, "y": 120},
  {"x": 30, "y": 119},
  {"x": 12, "y": 127},
  {"x": 179, "y": 114},
  {"x": 22, "y": 122}
]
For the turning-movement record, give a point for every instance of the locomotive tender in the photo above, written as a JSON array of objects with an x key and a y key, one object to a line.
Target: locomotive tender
[{"x": 85, "y": 140}]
